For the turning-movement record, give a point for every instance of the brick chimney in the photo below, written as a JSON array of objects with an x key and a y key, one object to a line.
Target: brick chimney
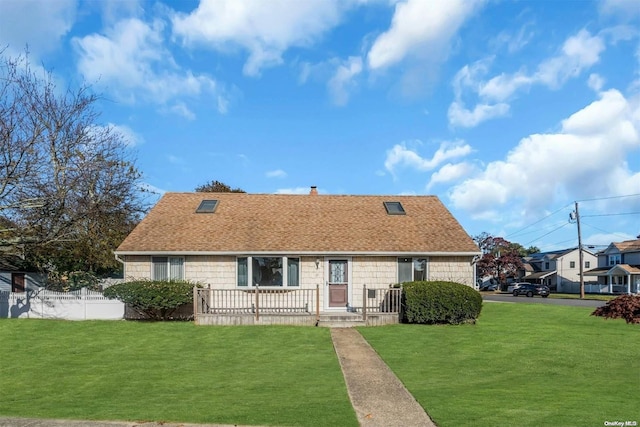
[{"x": 314, "y": 191}]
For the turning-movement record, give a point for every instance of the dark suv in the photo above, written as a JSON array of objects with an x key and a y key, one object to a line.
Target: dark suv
[{"x": 531, "y": 289}]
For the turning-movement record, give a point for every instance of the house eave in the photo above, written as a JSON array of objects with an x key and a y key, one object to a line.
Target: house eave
[{"x": 300, "y": 253}]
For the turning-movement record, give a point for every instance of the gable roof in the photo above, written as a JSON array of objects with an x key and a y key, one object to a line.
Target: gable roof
[
  {"x": 628, "y": 245},
  {"x": 297, "y": 224}
]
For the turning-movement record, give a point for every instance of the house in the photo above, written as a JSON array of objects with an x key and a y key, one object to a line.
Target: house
[
  {"x": 618, "y": 267},
  {"x": 20, "y": 281},
  {"x": 559, "y": 270},
  {"x": 337, "y": 243},
  {"x": 15, "y": 278}
]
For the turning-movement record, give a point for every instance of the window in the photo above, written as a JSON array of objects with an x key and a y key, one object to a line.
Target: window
[
  {"x": 587, "y": 264},
  {"x": 207, "y": 206},
  {"x": 615, "y": 259},
  {"x": 268, "y": 271},
  {"x": 167, "y": 268},
  {"x": 546, "y": 265},
  {"x": 572, "y": 264},
  {"x": 394, "y": 208},
  {"x": 410, "y": 269}
]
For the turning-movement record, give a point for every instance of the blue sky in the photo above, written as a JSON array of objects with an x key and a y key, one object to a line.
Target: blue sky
[{"x": 509, "y": 111}]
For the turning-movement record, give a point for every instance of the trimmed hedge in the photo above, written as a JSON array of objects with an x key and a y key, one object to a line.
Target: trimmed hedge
[
  {"x": 153, "y": 299},
  {"x": 440, "y": 303}
]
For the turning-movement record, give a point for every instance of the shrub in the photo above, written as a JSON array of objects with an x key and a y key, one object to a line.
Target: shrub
[
  {"x": 626, "y": 307},
  {"x": 72, "y": 281},
  {"x": 440, "y": 303},
  {"x": 153, "y": 299}
]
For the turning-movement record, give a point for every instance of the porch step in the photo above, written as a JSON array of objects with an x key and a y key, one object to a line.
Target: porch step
[{"x": 342, "y": 320}]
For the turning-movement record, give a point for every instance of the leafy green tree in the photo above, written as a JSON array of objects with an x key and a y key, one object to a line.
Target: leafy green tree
[{"x": 217, "y": 187}]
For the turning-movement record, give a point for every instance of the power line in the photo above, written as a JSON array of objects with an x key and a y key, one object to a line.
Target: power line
[
  {"x": 555, "y": 229},
  {"x": 606, "y": 198},
  {"x": 604, "y": 231},
  {"x": 540, "y": 220},
  {"x": 614, "y": 214}
]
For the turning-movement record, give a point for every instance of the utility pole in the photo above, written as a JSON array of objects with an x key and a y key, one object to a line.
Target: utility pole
[{"x": 580, "y": 255}]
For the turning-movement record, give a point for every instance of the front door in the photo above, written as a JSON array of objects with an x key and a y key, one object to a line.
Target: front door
[
  {"x": 338, "y": 283},
  {"x": 17, "y": 282}
]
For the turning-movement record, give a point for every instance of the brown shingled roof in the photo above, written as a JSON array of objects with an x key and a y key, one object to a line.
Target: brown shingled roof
[
  {"x": 297, "y": 224},
  {"x": 628, "y": 245}
]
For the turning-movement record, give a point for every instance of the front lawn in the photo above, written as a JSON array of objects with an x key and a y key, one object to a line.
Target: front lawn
[
  {"x": 173, "y": 371},
  {"x": 521, "y": 364}
]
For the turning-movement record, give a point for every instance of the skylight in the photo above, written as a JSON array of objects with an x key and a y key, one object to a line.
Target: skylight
[
  {"x": 394, "y": 208},
  {"x": 207, "y": 206}
]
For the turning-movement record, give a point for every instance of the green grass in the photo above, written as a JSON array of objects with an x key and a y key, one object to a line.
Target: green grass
[
  {"x": 520, "y": 365},
  {"x": 173, "y": 371},
  {"x": 597, "y": 297}
]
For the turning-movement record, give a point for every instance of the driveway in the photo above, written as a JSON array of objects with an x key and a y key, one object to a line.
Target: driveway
[{"x": 540, "y": 300}]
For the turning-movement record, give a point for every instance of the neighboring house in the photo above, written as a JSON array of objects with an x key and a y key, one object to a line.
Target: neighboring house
[
  {"x": 20, "y": 281},
  {"x": 560, "y": 270},
  {"x": 274, "y": 241},
  {"x": 15, "y": 278},
  {"x": 618, "y": 268}
]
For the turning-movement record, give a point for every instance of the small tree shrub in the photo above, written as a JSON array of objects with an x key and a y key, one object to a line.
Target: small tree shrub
[
  {"x": 625, "y": 307},
  {"x": 154, "y": 299},
  {"x": 440, "y": 303}
]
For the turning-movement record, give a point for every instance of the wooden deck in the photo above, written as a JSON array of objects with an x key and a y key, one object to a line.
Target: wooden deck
[{"x": 299, "y": 307}]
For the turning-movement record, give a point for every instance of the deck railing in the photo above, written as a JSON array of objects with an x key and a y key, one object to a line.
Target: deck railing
[
  {"x": 381, "y": 300},
  {"x": 258, "y": 301}
]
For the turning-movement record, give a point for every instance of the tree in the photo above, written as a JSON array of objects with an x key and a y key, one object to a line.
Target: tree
[
  {"x": 500, "y": 258},
  {"x": 69, "y": 190},
  {"x": 217, "y": 187}
]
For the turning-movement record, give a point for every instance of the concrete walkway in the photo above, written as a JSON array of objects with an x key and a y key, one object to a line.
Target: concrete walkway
[{"x": 377, "y": 395}]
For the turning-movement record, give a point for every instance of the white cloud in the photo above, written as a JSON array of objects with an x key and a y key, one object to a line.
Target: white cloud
[
  {"x": 175, "y": 159},
  {"x": 343, "y": 79},
  {"x": 627, "y": 9},
  {"x": 400, "y": 156},
  {"x": 264, "y": 29},
  {"x": 296, "y": 190},
  {"x": 596, "y": 82},
  {"x": 587, "y": 157},
  {"x": 127, "y": 60},
  {"x": 130, "y": 137},
  {"x": 515, "y": 42},
  {"x": 419, "y": 26},
  {"x": 40, "y": 24},
  {"x": 502, "y": 87},
  {"x": 579, "y": 52},
  {"x": 459, "y": 115},
  {"x": 278, "y": 173},
  {"x": 449, "y": 173},
  {"x": 181, "y": 109}
]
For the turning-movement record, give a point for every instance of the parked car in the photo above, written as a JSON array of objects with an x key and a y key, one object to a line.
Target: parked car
[
  {"x": 514, "y": 285},
  {"x": 530, "y": 289},
  {"x": 489, "y": 285}
]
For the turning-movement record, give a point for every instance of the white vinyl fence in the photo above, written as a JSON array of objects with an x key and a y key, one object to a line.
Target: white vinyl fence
[{"x": 43, "y": 304}]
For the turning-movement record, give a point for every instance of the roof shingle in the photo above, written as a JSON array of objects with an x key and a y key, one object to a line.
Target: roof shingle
[{"x": 254, "y": 223}]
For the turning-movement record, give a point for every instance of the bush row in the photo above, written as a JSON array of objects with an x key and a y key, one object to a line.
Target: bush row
[
  {"x": 153, "y": 299},
  {"x": 440, "y": 303}
]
